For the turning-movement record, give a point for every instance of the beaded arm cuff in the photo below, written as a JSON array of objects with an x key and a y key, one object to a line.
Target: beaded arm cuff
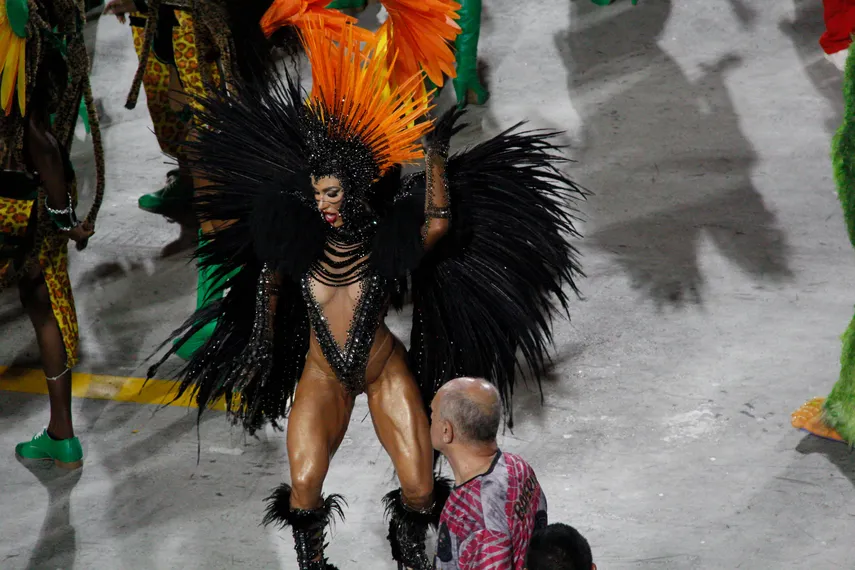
[
  {"x": 64, "y": 219},
  {"x": 437, "y": 200},
  {"x": 434, "y": 212}
]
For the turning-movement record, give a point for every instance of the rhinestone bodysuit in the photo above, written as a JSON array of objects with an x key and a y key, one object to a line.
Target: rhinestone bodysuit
[{"x": 353, "y": 305}]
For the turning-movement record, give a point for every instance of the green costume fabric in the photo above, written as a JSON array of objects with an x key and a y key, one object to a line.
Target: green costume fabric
[
  {"x": 466, "y": 45},
  {"x": 346, "y": 4},
  {"x": 18, "y": 16},
  {"x": 82, "y": 113},
  {"x": 207, "y": 291},
  {"x": 839, "y": 409}
]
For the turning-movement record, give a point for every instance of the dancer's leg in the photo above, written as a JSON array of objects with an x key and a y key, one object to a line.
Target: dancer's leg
[
  {"x": 57, "y": 442},
  {"x": 35, "y": 299},
  {"x": 402, "y": 426},
  {"x": 316, "y": 426},
  {"x": 467, "y": 84}
]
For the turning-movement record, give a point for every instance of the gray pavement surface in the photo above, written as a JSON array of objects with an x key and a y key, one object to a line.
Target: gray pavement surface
[{"x": 718, "y": 285}]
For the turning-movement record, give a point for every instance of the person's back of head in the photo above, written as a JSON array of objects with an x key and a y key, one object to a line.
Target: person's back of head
[
  {"x": 465, "y": 412},
  {"x": 559, "y": 547}
]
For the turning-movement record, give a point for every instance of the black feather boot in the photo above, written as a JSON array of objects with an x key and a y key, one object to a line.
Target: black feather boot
[
  {"x": 408, "y": 527},
  {"x": 308, "y": 526}
]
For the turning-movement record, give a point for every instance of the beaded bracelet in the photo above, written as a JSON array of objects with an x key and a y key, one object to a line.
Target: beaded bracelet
[{"x": 64, "y": 219}]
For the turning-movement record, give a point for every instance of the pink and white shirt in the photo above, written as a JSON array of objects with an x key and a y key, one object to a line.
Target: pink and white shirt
[{"x": 488, "y": 521}]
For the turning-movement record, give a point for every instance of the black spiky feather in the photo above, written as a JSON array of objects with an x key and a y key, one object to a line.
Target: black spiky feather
[{"x": 489, "y": 289}]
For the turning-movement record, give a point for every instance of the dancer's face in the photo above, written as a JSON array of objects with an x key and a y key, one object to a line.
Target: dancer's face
[{"x": 329, "y": 195}]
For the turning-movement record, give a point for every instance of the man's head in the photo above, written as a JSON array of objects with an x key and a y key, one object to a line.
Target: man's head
[
  {"x": 465, "y": 412},
  {"x": 559, "y": 547}
]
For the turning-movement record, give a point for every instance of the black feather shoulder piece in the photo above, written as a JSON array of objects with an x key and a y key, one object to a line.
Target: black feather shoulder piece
[
  {"x": 484, "y": 298},
  {"x": 252, "y": 152}
]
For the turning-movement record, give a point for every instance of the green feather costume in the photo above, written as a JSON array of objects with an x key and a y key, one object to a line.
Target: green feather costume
[{"x": 839, "y": 408}]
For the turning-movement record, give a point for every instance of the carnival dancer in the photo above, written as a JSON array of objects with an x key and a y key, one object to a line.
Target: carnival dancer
[
  {"x": 45, "y": 76},
  {"x": 834, "y": 417},
  {"x": 173, "y": 43},
  {"x": 324, "y": 234},
  {"x": 193, "y": 46}
]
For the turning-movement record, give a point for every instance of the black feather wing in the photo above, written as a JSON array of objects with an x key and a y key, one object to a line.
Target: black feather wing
[
  {"x": 489, "y": 289},
  {"x": 251, "y": 153}
]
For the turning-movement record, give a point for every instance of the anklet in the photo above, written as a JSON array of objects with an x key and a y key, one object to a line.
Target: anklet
[{"x": 58, "y": 376}]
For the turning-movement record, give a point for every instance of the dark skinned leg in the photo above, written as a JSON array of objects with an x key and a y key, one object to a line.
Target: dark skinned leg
[
  {"x": 34, "y": 296},
  {"x": 45, "y": 156}
]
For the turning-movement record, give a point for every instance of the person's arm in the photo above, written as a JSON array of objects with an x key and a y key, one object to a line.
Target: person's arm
[
  {"x": 120, "y": 8},
  {"x": 45, "y": 155},
  {"x": 437, "y": 204},
  {"x": 268, "y": 296},
  {"x": 487, "y": 550}
]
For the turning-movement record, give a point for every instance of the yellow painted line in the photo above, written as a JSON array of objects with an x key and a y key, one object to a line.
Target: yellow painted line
[{"x": 100, "y": 387}]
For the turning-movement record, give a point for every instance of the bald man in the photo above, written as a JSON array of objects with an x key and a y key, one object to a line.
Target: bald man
[{"x": 497, "y": 503}]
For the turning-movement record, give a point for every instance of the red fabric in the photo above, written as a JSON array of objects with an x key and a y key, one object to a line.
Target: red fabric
[
  {"x": 487, "y": 522},
  {"x": 839, "y": 25}
]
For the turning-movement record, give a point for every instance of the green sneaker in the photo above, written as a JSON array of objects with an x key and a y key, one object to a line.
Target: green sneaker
[
  {"x": 65, "y": 453},
  {"x": 175, "y": 196}
]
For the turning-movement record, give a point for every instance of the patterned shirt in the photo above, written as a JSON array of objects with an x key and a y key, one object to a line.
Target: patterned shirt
[{"x": 488, "y": 521}]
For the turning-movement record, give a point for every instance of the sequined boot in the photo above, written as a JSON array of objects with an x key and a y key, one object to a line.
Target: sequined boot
[
  {"x": 408, "y": 527},
  {"x": 308, "y": 526}
]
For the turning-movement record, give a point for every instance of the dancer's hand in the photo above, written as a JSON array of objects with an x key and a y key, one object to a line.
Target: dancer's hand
[
  {"x": 80, "y": 233},
  {"x": 120, "y": 8}
]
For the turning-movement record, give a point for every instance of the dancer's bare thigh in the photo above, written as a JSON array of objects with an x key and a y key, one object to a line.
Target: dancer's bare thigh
[
  {"x": 316, "y": 427},
  {"x": 402, "y": 426}
]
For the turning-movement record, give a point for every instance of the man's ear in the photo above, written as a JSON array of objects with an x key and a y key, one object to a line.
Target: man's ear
[
  {"x": 447, "y": 432},
  {"x": 593, "y": 566}
]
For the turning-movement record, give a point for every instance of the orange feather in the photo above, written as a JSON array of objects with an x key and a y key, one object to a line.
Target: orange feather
[
  {"x": 349, "y": 83},
  {"x": 421, "y": 33},
  {"x": 302, "y": 14}
]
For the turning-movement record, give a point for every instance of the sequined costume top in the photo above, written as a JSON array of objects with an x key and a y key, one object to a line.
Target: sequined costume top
[{"x": 346, "y": 303}]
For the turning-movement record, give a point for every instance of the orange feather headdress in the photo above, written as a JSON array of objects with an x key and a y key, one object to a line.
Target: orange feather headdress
[{"x": 348, "y": 99}]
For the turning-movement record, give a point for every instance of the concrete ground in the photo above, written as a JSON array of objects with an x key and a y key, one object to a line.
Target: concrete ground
[{"x": 717, "y": 288}]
